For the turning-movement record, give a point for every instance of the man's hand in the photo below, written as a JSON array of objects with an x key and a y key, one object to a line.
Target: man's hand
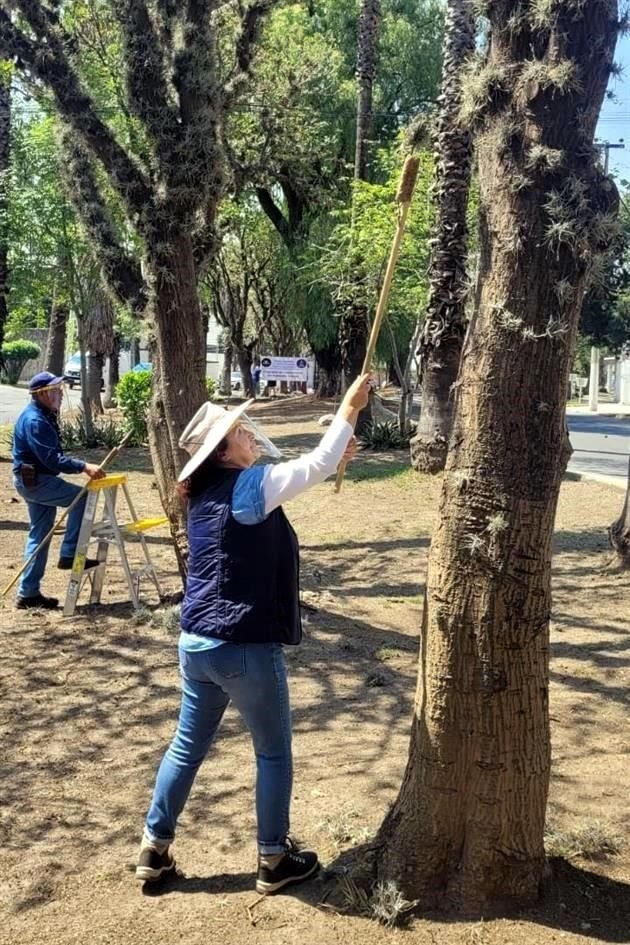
[{"x": 94, "y": 472}]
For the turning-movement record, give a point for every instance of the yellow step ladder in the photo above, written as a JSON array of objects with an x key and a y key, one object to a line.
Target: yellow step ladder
[{"x": 108, "y": 531}]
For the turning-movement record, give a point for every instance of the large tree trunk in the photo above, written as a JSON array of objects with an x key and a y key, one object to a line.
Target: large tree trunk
[
  {"x": 619, "y": 531},
  {"x": 329, "y": 370},
  {"x": 86, "y": 403},
  {"x": 244, "y": 357},
  {"x": 226, "y": 371},
  {"x": 444, "y": 327},
  {"x": 5, "y": 143},
  {"x": 100, "y": 342},
  {"x": 354, "y": 331},
  {"x": 56, "y": 340},
  {"x": 179, "y": 372},
  {"x": 429, "y": 445},
  {"x": 466, "y": 831},
  {"x": 95, "y": 366},
  {"x": 113, "y": 372}
]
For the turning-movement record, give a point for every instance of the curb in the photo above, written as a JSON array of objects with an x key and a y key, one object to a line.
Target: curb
[{"x": 613, "y": 481}]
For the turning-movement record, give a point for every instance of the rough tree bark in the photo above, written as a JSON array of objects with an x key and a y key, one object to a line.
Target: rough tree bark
[
  {"x": 466, "y": 831},
  {"x": 226, "y": 371},
  {"x": 169, "y": 192},
  {"x": 56, "y": 340},
  {"x": 113, "y": 372},
  {"x": 100, "y": 344},
  {"x": 619, "y": 531},
  {"x": 367, "y": 48},
  {"x": 329, "y": 368},
  {"x": 444, "y": 327}
]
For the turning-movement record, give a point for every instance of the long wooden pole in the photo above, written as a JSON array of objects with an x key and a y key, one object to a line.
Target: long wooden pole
[
  {"x": 110, "y": 456},
  {"x": 403, "y": 200}
]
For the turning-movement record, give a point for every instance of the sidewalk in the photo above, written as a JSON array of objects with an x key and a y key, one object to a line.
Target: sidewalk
[
  {"x": 604, "y": 409},
  {"x": 613, "y": 481}
]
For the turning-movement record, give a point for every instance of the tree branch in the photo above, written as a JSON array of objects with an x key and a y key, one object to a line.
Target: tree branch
[
  {"x": 276, "y": 216},
  {"x": 251, "y": 25},
  {"x": 47, "y": 59},
  {"x": 147, "y": 88},
  {"x": 197, "y": 176},
  {"x": 120, "y": 269}
]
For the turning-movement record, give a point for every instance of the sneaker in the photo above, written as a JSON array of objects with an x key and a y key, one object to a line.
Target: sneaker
[
  {"x": 39, "y": 601},
  {"x": 65, "y": 564},
  {"x": 152, "y": 865},
  {"x": 294, "y": 867}
]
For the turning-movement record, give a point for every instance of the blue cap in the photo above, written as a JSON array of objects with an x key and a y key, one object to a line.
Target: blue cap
[{"x": 43, "y": 381}]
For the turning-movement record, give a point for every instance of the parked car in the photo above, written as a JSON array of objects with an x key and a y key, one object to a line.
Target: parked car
[{"x": 72, "y": 372}]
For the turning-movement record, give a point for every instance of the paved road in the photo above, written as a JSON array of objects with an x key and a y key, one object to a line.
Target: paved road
[
  {"x": 600, "y": 444},
  {"x": 14, "y": 399}
]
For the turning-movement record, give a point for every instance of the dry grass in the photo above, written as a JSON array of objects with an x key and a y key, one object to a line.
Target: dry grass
[
  {"x": 592, "y": 841},
  {"x": 89, "y": 705}
]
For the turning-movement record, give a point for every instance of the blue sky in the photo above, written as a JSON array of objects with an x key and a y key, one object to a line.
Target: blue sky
[{"x": 614, "y": 122}]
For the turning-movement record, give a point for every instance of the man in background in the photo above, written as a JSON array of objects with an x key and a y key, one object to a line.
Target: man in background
[{"x": 38, "y": 460}]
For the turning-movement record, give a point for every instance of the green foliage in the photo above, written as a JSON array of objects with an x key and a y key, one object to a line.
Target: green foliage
[
  {"x": 211, "y": 387},
  {"x": 43, "y": 232},
  {"x": 351, "y": 264},
  {"x": 383, "y": 435},
  {"x": 14, "y": 355},
  {"x": 133, "y": 393},
  {"x": 107, "y": 433},
  {"x": 605, "y": 319}
]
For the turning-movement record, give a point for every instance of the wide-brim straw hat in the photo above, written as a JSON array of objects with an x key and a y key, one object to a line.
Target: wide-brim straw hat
[{"x": 208, "y": 427}]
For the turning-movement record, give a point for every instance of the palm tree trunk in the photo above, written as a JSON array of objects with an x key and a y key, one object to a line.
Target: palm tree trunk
[
  {"x": 444, "y": 329},
  {"x": 466, "y": 832},
  {"x": 56, "y": 341},
  {"x": 369, "y": 18}
]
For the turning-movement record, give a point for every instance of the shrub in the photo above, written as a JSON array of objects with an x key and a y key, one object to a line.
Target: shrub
[
  {"x": 107, "y": 433},
  {"x": 384, "y": 435},
  {"x": 133, "y": 393},
  {"x": 211, "y": 387},
  {"x": 14, "y": 355}
]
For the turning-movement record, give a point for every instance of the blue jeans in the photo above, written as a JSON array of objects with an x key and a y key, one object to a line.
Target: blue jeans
[
  {"x": 42, "y": 501},
  {"x": 254, "y": 677}
]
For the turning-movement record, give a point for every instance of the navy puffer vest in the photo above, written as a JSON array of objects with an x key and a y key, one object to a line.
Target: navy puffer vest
[{"x": 243, "y": 580}]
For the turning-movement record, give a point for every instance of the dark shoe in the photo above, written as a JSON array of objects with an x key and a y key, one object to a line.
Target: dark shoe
[
  {"x": 294, "y": 867},
  {"x": 65, "y": 564},
  {"x": 43, "y": 603},
  {"x": 152, "y": 865}
]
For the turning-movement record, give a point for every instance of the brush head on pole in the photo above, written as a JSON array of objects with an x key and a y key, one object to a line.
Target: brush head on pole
[{"x": 408, "y": 179}]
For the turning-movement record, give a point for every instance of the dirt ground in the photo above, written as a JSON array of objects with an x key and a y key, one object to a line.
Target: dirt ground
[{"x": 89, "y": 705}]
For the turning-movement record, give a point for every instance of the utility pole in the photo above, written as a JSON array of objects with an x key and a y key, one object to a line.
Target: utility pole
[{"x": 606, "y": 147}]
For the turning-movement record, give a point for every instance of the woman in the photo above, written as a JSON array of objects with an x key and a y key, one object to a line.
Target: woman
[{"x": 241, "y": 605}]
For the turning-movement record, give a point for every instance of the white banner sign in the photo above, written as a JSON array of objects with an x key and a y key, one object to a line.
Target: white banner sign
[{"x": 284, "y": 369}]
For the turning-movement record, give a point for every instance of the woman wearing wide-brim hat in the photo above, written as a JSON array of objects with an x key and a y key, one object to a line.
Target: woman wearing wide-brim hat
[{"x": 240, "y": 607}]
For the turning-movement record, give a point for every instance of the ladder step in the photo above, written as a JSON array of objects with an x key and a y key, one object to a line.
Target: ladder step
[
  {"x": 107, "y": 482},
  {"x": 144, "y": 524}
]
